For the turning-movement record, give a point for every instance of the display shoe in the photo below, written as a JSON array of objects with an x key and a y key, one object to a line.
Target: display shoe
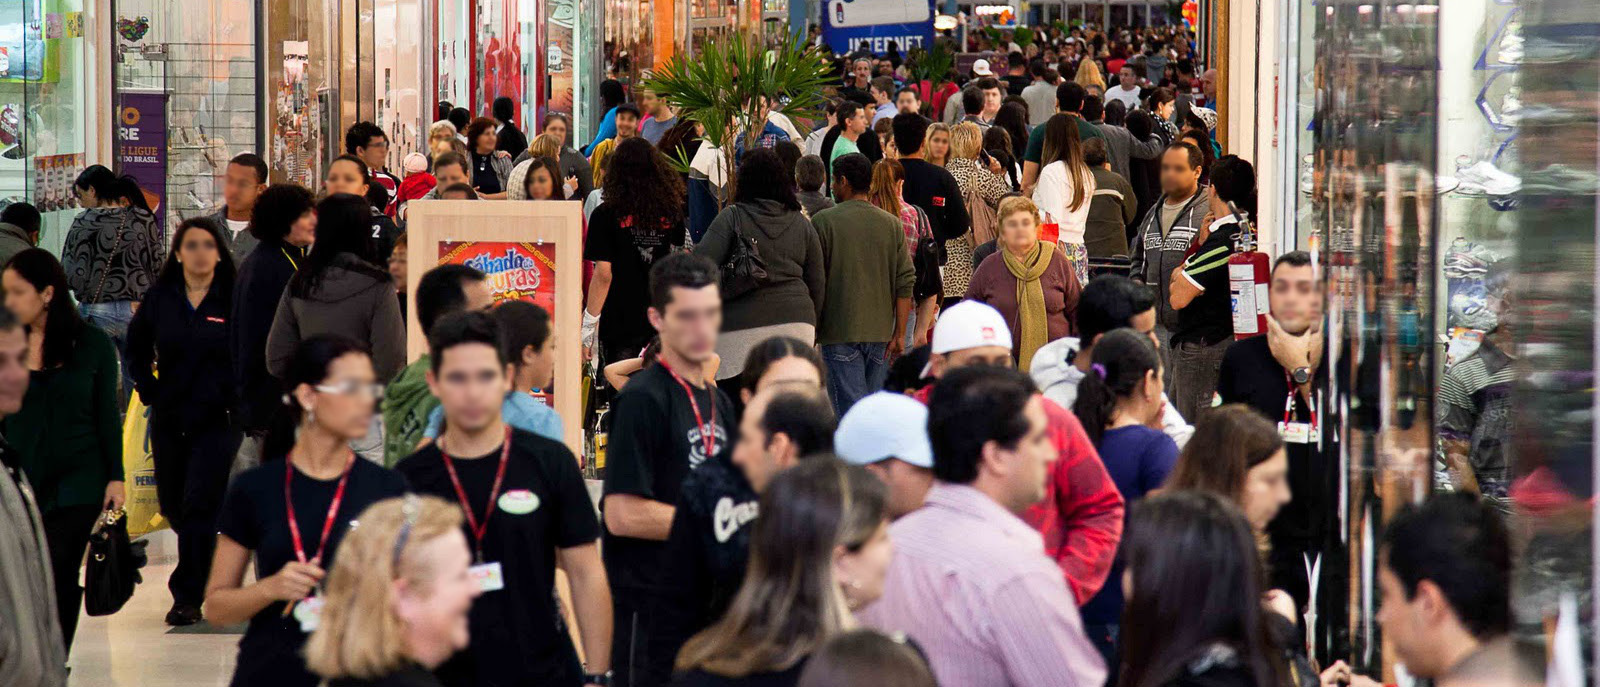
[
  {"x": 1443, "y": 185},
  {"x": 183, "y": 615},
  {"x": 1483, "y": 179},
  {"x": 1511, "y": 107}
]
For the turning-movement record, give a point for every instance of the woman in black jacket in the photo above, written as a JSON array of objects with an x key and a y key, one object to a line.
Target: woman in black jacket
[
  {"x": 182, "y": 366},
  {"x": 285, "y": 223}
]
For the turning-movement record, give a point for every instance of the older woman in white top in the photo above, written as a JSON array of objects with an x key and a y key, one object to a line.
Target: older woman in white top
[{"x": 1066, "y": 185}]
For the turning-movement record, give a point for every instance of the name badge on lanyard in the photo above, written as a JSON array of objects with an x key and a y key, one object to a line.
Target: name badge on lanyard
[
  {"x": 489, "y": 576},
  {"x": 309, "y": 613},
  {"x": 1299, "y": 432}
]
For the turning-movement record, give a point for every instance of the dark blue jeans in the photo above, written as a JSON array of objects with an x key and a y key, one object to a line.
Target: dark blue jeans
[{"x": 854, "y": 371}]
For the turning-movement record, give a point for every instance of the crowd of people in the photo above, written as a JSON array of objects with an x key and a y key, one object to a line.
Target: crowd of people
[{"x": 926, "y": 404}]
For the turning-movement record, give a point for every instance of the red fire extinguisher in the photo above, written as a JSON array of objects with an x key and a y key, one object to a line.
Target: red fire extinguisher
[{"x": 1249, "y": 276}]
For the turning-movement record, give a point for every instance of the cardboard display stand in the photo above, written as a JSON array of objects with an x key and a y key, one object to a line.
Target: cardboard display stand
[{"x": 530, "y": 250}]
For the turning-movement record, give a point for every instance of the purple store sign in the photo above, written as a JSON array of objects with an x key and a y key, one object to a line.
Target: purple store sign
[{"x": 142, "y": 145}]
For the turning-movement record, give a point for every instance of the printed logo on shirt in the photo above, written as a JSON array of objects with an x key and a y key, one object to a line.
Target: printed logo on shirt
[
  {"x": 938, "y": 201},
  {"x": 217, "y": 320},
  {"x": 519, "y": 502},
  {"x": 697, "y": 447},
  {"x": 729, "y": 517}
]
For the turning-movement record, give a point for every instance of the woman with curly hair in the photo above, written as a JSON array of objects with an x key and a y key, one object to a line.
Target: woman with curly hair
[{"x": 640, "y": 221}]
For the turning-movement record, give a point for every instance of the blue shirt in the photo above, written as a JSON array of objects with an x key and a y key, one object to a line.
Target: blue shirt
[
  {"x": 608, "y": 129},
  {"x": 1138, "y": 459},
  {"x": 520, "y": 410}
]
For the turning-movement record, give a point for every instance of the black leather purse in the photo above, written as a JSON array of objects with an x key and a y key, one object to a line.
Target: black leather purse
[
  {"x": 114, "y": 564},
  {"x": 743, "y": 271}
]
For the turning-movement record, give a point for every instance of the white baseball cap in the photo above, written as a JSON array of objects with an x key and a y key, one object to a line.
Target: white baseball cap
[
  {"x": 881, "y": 426},
  {"x": 981, "y": 68},
  {"x": 970, "y": 324}
]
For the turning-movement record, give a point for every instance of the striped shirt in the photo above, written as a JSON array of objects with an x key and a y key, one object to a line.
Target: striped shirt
[{"x": 971, "y": 583}]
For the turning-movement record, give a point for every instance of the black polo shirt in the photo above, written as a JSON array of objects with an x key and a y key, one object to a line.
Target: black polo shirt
[
  {"x": 1250, "y": 375},
  {"x": 1208, "y": 319}
]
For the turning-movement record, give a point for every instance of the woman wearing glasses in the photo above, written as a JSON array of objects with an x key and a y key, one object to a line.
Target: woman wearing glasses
[
  {"x": 182, "y": 328},
  {"x": 341, "y": 289},
  {"x": 398, "y": 597},
  {"x": 292, "y": 513}
]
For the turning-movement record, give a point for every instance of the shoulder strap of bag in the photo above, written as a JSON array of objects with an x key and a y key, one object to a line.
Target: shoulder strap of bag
[{"x": 116, "y": 243}]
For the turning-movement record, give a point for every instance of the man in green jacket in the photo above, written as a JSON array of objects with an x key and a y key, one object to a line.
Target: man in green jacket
[
  {"x": 870, "y": 279},
  {"x": 407, "y": 401}
]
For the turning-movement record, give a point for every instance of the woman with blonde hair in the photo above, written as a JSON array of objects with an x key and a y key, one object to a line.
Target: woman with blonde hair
[
  {"x": 1065, "y": 190},
  {"x": 936, "y": 144},
  {"x": 819, "y": 551},
  {"x": 442, "y": 139},
  {"x": 1089, "y": 76},
  {"x": 977, "y": 182},
  {"x": 397, "y": 597},
  {"x": 542, "y": 146},
  {"x": 887, "y": 192},
  {"x": 1028, "y": 281}
]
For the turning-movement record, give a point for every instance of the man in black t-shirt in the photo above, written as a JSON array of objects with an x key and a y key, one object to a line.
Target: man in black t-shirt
[
  {"x": 710, "y": 539},
  {"x": 1199, "y": 289},
  {"x": 1279, "y": 368},
  {"x": 667, "y": 421},
  {"x": 527, "y": 512},
  {"x": 929, "y": 186}
]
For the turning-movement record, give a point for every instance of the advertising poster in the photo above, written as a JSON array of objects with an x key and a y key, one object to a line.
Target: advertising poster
[
  {"x": 560, "y": 19},
  {"x": 516, "y": 271},
  {"x": 142, "y": 145},
  {"x": 851, "y": 25}
]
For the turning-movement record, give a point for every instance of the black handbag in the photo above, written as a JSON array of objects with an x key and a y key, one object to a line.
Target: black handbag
[
  {"x": 743, "y": 271},
  {"x": 928, "y": 257},
  {"x": 114, "y": 563}
]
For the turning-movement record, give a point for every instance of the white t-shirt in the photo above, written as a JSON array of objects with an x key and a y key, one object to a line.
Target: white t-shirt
[
  {"x": 1128, "y": 96},
  {"x": 1053, "y": 195},
  {"x": 236, "y": 226}
]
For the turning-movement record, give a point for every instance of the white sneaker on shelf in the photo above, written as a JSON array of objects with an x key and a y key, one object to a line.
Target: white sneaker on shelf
[
  {"x": 1307, "y": 175},
  {"x": 1482, "y": 178},
  {"x": 1511, "y": 107},
  {"x": 1443, "y": 185},
  {"x": 1511, "y": 44}
]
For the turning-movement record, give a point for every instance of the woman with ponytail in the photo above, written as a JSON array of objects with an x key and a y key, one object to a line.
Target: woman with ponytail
[
  {"x": 1120, "y": 405},
  {"x": 292, "y": 511},
  {"x": 112, "y": 254}
]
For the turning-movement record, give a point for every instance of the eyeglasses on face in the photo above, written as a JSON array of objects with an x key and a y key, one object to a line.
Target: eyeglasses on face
[{"x": 352, "y": 388}]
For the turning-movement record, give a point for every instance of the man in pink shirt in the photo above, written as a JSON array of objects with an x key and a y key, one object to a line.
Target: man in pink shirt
[
  {"x": 970, "y": 581},
  {"x": 1081, "y": 513}
]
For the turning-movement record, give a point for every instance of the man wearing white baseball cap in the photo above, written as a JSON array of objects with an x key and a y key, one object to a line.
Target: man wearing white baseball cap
[
  {"x": 888, "y": 434},
  {"x": 981, "y": 68},
  {"x": 1081, "y": 514}
]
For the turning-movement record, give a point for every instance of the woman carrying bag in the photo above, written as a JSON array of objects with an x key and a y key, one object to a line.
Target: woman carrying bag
[
  {"x": 765, "y": 216},
  {"x": 69, "y": 430}
]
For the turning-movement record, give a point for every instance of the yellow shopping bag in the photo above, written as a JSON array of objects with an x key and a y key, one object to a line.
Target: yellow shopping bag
[{"x": 139, "y": 468}]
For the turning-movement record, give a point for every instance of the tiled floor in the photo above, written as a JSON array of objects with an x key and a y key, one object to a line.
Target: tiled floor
[{"x": 136, "y": 648}]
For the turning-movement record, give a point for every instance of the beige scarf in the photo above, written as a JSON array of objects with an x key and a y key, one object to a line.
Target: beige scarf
[{"x": 1033, "y": 326}]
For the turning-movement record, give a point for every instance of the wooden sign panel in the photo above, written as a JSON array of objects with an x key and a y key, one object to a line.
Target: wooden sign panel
[{"x": 530, "y": 250}]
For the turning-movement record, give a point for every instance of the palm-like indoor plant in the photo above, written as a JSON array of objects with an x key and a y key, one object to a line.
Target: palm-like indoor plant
[{"x": 732, "y": 82}]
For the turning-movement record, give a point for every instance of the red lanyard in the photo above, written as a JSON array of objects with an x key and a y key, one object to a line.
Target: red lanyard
[
  {"x": 333, "y": 510},
  {"x": 1288, "y": 404},
  {"x": 707, "y": 429},
  {"x": 479, "y": 528}
]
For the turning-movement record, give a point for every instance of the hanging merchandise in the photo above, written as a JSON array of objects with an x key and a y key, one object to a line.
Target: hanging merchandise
[
  {"x": 133, "y": 30},
  {"x": 1249, "y": 275}
]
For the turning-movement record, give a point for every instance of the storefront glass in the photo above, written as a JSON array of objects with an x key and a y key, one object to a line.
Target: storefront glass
[
  {"x": 453, "y": 67},
  {"x": 404, "y": 109},
  {"x": 302, "y": 113},
  {"x": 1441, "y": 159},
  {"x": 47, "y": 102},
  {"x": 189, "y": 70}
]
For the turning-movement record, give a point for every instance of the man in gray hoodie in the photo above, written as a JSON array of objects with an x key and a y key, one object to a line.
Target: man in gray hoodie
[
  {"x": 1162, "y": 238},
  {"x": 32, "y": 653},
  {"x": 19, "y": 230}
]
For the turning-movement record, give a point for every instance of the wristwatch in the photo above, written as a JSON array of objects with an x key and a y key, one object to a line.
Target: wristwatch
[
  {"x": 1301, "y": 375},
  {"x": 603, "y": 679}
]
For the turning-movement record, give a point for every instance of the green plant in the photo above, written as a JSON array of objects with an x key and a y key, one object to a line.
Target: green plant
[
  {"x": 1023, "y": 36},
  {"x": 731, "y": 83},
  {"x": 931, "y": 65}
]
